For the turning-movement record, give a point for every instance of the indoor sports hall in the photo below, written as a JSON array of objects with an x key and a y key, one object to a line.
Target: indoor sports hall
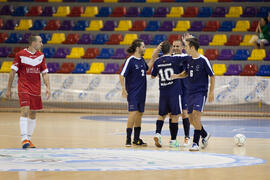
[{"x": 81, "y": 130}]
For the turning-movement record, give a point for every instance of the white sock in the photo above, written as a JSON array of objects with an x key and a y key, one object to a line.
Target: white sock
[
  {"x": 30, "y": 128},
  {"x": 23, "y": 127}
]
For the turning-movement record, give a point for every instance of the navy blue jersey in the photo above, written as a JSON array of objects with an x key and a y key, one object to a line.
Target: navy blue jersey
[
  {"x": 134, "y": 72},
  {"x": 198, "y": 70},
  {"x": 164, "y": 67}
]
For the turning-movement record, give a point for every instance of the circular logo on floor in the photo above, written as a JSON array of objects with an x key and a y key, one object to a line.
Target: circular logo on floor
[{"x": 115, "y": 160}]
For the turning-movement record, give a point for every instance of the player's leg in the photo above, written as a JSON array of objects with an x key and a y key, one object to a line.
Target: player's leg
[
  {"x": 31, "y": 126},
  {"x": 195, "y": 117},
  {"x": 24, "y": 126},
  {"x": 262, "y": 44},
  {"x": 130, "y": 124},
  {"x": 159, "y": 125},
  {"x": 138, "y": 124},
  {"x": 185, "y": 120}
]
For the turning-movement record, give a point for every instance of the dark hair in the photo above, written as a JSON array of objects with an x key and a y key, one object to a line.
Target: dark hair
[
  {"x": 165, "y": 47},
  {"x": 266, "y": 20},
  {"x": 136, "y": 43},
  {"x": 32, "y": 38},
  {"x": 193, "y": 42}
]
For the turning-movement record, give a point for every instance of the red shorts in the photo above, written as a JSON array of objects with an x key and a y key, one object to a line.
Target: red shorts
[{"x": 34, "y": 102}]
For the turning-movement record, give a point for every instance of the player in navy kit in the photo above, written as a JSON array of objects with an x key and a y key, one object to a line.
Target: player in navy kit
[
  {"x": 133, "y": 82},
  {"x": 170, "y": 92},
  {"x": 197, "y": 71}
]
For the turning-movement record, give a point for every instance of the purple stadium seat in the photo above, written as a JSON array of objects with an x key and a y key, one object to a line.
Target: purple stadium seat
[
  {"x": 119, "y": 54},
  {"x": 9, "y": 24},
  {"x": 85, "y": 39},
  {"x": 233, "y": 69},
  {"x": 147, "y": 38},
  {"x": 161, "y": 12},
  {"x": 111, "y": 68},
  {"x": 267, "y": 58},
  {"x": 167, "y": 26},
  {"x": 196, "y": 26},
  {"x": 249, "y": 12},
  {"x": 109, "y": 26},
  {"x": 25, "y": 38},
  {"x": 53, "y": 67},
  {"x": 225, "y": 54},
  {"x": 219, "y": 12},
  {"x": 5, "y": 51},
  {"x": 204, "y": 39},
  {"x": 48, "y": 11},
  {"x": 6, "y": 10},
  {"x": 61, "y": 53},
  {"x": 133, "y": 12},
  {"x": 66, "y": 25}
]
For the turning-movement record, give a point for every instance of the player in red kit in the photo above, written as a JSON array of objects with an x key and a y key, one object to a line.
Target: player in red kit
[{"x": 28, "y": 64}]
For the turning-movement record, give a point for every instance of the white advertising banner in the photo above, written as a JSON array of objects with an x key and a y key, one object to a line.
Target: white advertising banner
[{"x": 107, "y": 88}]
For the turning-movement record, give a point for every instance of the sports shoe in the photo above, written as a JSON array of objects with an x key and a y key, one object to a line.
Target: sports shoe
[
  {"x": 194, "y": 147},
  {"x": 186, "y": 142},
  {"x": 139, "y": 142},
  {"x": 174, "y": 143},
  {"x": 128, "y": 142},
  {"x": 157, "y": 140},
  {"x": 31, "y": 145},
  {"x": 205, "y": 141},
  {"x": 25, "y": 144}
]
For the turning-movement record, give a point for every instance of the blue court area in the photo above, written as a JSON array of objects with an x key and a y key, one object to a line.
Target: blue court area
[{"x": 218, "y": 127}]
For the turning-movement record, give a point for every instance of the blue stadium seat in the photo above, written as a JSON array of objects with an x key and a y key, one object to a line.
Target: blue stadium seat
[
  {"x": 152, "y": 26},
  {"x": 48, "y": 52},
  {"x": 241, "y": 54},
  {"x": 264, "y": 70},
  {"x": 158, "y": 38},
  {"x": 106, "y": 53},
  {"x": 138, "y": 1},
  {"x": 20, "y": 11},
  {"x": 45, "y": 37},
  {"x": 38, "y": 25},
  {"x": 227, "y": 26},
  {"x": 81, "y": 68},
  {"x": 14, "y": 38},
  {"x": 82, "y": 0},
  {"x": 80, "y": 25},
  {"x": 263, "y": 12},
  {"x": 101, "y": 39},
  {"x": 147, "y": 12},
  {"x": 205, "y": 12},
  {"x": 104, "y": 12}
]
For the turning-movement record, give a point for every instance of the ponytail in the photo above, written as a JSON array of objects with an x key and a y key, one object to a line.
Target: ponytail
[{"x": 136, "y": 43}]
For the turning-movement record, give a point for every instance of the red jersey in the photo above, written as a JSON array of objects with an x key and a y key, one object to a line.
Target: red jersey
[{"x": 29, "y": 66}]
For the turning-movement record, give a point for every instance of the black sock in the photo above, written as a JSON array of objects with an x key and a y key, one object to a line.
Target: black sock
[
  {"x": 137, "y": 132},
  {"x": 173, "y": 130},
  {"x": 203, "y": 133},
  {"x": 196, "y": 137},
  {"x": 129, "y": 132},
  {"x": 170, "y": 126},
  {"x": 186, "y": 126},
  {"x": 159, "y": 125}
]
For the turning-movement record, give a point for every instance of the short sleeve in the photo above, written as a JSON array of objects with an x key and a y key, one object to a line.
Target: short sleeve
[
  {"x": 16, "y": 62},
  {"x": 126, "y": 68},
  {"x": 43, "y": 68},
  {"x": 208, "y": 67}
]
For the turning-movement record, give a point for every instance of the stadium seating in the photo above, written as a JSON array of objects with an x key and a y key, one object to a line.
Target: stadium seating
[
  {"x": 241, "y": 26},
  {"x": 219, "y": 69},
  {"x": 148, "y": 53},
  {"x": 190, "y": 12},
  {"x": 20, "y": 11},
  {"x": 264, "y": 70},
  {"x": 14, "y": 38},
  {"x": 104, "y": 12},
  {"x": 106, "y": 53},
  {"x": 147, "y": 12},
  {"x": 110, "y": 1},
  {"x": 176, "y": 12},
  {"x": 9, "y": 24},
  {"x": 91, "y": 53},
  {"x": 35, "y": 11},
  {"x": 76, "y": 11},
  {"x": 111, "y": 68},
  {"x": 61, "y": 53},
  {"x": 219, "y": 12},
  {"x": 57, "y": 38},
  {"x": 253, "y": 26},
  {"x": 133, "y": 12},
  {"x": 196, "y": 26},
  {"x": 234, "y": 12},
  {"x": 80, "y": 25},
  {"x": 81, "y": 68},
  {"x": 119, "y": 12},
  {"x": 158, "y": 38},
  {"x": 225, "y": 54},
  {"x": 267, "y": 58},
  {"x": 48, "y": 11},
  {"x": 53, "y": 67},
  {"x": 218, "y": 40},
  {"x": 124, "y": 25},
  {"x": 182, "y": 26},
  {"x": 5, "y": 51},
  {"x": 138, "y": 25},
  {"x": 205, "y": 12},
  {"x": 6, "y": 67},
  {"x": 14, "y": 51},
  {"x": 167, "y": 26},
  {"x": 66, "y": 67},
  {"x": 95, "y": 25},
  {"x": 234, "y": 40},
  {"x": 211, "y": 54},
  {"x": 90, "y": 11},
  {"x": 233, "y": 70},
  {"x": 227, "y": 26},
  {"x": 48, "y": 52},
  {"x": 3, "y": 37},
  {"x": 263, "y": 11},
  {"x": 211, "y": 26},
  {"x": 53, "y": 25},
  {"x": 147, "y": 38},
  {"x": 246, "y": 40},
  {"x": 161, "y": 12},
  {"x": 96, "y": 68},
  {"x": 38, "y": 25},
  {"x": 101, "y": 39},
  {"x": 204, "y": 39},
  {"x": 76, "y": 52},
  {"x": 200, "y": 51},
  {"x": 152, "y": 26},
  {"x": 249, "y": 12},
  {"x": 25, "y": 38},
  {"x": 45, "y": 37},
  {"x": 109, "y": 26},
  {"x": 119, "y": 54},
  {"x": 6, "y": 10},
  {"x": 249, "y": 70},
  {"x": 66, "y": 25},
  {"x": 1, "y": 23},
  {"x": 241, "y": 54},
  {"x": 62, "y": 11},
  {"x": 115, "y": 39},
  {"x": 257, "y": 55}
]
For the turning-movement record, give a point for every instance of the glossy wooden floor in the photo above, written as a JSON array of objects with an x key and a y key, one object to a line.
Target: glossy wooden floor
[{"x": 64, "y": 130}]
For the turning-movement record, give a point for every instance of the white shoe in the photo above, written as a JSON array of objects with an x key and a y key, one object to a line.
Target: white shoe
[
  {"x": 174, "y": 143},
  {"x": 186, "y": 142},
  {"x": 194, "y": 147},
  {"x": 205, "y": 141},
  {"x": 157, "y": 140}
]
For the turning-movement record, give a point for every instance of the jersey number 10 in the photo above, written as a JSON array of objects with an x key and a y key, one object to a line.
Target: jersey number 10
[{"x": 165, "y": 74}]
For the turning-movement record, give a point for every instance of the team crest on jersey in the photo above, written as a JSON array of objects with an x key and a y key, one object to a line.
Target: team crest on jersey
[
  {"x": 197, "y": 68},
  {"x": 136, "y": 66}
]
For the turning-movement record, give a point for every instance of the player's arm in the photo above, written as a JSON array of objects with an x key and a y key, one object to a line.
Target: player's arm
[
  {"x": 182, "y": 75},
  {"x": 154, "y": 57},
  {"x": 122, "y": 82},
  {"x": 46, "y": 80},
  {"x": 211, "y": 90},
  {"x": 10, "y": 81}
]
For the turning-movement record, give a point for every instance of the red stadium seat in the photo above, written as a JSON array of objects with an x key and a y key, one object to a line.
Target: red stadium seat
[
  {"x": 249, "y": 70},
  {"x": 72, "y": 39},
  {"x": 119, "y": 12},
  {"x": 115, "y": 39},
  {"x": 167, "y": 1},
  {"x": 35, "y": 11},
  {"x": 211, "y": 26},
  {"x": 211, "y": 54},
  {"x": 174, "y": 37},
  {"x": 91, "y": 53},
  {"x": 76, "y": 11},
  {"x": 41, "y": 0},
  {"x": 14, "y": 51},
  {"x": 53, "y": 25},
  {"x": 3, "y": 37},
  {"x": 1, "y": 23},
  {"x": 66, "y": 68},
  {"x": 253, "y": 26},
  {"x": 191, "y": 12},
  {"x": 97, "y": 1},
  {"x": 234, "y": 40},
  {"x": 138, "y": 25}
]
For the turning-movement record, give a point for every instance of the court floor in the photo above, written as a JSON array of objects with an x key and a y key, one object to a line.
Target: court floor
[{"x": 99, "y": 141}]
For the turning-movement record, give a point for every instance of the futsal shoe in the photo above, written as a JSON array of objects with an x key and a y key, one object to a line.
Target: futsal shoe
[
  {"x": 157, "y": 140},
  {"x": 25, "y": 144},
  {"x": 31, "y": 145},
  {"x": 194, "y": 147},
  {"x": 139, "y": 142},
  {"x": 128, "y": 142},
  {"x": 186, "y": 142},
  {"x": 174, "y": 143},
  {"x": 205, "y": 141}
]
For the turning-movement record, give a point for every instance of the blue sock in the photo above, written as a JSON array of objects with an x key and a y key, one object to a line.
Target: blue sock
[
  {"x": 196, "y": 136},
  {"x": 129, "y": 132},
  {"x": 159, "y": 125}
]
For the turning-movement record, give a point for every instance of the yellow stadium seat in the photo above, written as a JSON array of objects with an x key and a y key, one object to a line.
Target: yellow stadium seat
[
  {"x": 246, "y": 40},
  {"x": 55, "y": 1},
  {"x": 200, "y": 50},
  {"x": 57, "y": 38},
  {"x": 76, "y": 52},
  {"x": 90, "y": 11},
  {"x": 153, "y": 1},
  {"x": 124, "y": 25},
  {"x": 110, "y": 1},
  {"x": 96, "y": 68},
  {"x": 24, "y": 24},
  {"x": 235, "y": 11},
  {"x": 210, "y": 0},
  {"x": 219, "y": 69},
  {"x": 257, "y": 55},
  {"x": 148, "y": 53},
  {"x": 6, "y": 67},
  {"x": 95, "y": 25},
  {"x": 176, "y": 12},
  {"x": 218, "y": 40},
  {"x": 3, "y": 0},
  {"x": 241, "y": 26},
  {"x": 182, "y": 26},
  {"x": 62, "y": 11},
  {"x": 128, "y": 39}
]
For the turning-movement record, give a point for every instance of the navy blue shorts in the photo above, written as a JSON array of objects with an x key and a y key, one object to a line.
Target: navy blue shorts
[
  {"x": 170, "y": 104},
  {"x": 196, "y": 102},
  {"x": 134, "y": 105},
  {"x": 184, "y": 101}
]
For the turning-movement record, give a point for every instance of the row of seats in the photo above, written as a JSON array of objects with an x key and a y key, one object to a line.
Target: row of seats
[
  {"x": 94, "y": 11},
  {"x": 128, "y": 25},
  {"x": 120, "y": 53},
  {"x": 116, "y": 39},
  {"x": 136, "y": 1}
]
